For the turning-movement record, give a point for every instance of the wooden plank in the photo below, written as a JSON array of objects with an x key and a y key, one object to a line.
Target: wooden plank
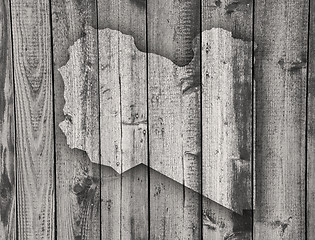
[
  {"x": 77, "y": 179},
  {"x": 174, "y": 118},
  {"x": 7, "y": 129},
  {"x": 227, "y": 115},
  {"x": 280, "y": 78},
  {"x": 227, "y": 124},
  {"x": 310, "y": 128},
  {"x": 34, "y": 119},
  {"x": 111, "y": 133},
  {"x": 123, "y": 117}
]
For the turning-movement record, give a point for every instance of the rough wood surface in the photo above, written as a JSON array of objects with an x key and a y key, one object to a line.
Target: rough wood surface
[
  {"x": 311, "y": 128},
  {"x": 174, "y": 118},
  {"x": 134, "y": 118},
  {"x": 181, "y": 92},
  {"x": 81, "y": 109},
  {"x": 122, "y": 101},
  {"x": 7, "y": 129},
  {"x": 227, "y": 139},
  {"x": 77, "y": 179},
  {"x": 34, "y": 119},
  {"x": 226, "y": 123},
  {"x": 280, "y": 78},
  {"x": 123, "y": 117}
]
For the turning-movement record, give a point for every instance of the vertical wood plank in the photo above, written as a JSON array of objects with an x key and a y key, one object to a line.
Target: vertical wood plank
[
  {"x": 227, "y": 124},
  {"x": 280, "y": 78},
  {"x": 310, "y": 128},
  {"x": 77, "y": 179},
  {"x": 133, "y": 75},
  {"x": 34, "y": 119},
  {"x": 227, "y": 115},
  {"x": 7, "y": 129},
  {"x": 111, "y": 128},
  {"x": 123, "y": 92},
  {"x": 174, "y": 119}
]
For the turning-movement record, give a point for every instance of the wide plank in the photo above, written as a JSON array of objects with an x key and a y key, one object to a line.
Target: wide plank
[
  {"x": 7, "y": 129},
  {"x": 34, "y": 119},
  {"x": 77, "y": 179},
  {"x": 281, "y": 29}
]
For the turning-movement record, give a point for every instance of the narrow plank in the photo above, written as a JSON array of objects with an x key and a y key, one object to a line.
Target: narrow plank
[
  {"x": 133, "y": 75},
  {"x": 7, "y": 129},
  {"x": 111, "y": 131},
  {"x": 123, "y": 92},
  {"x": 280, "y": 76},
  {"x": 310, "y": 128},
  {"x": 77, "y": 179},
  {"x": 34, "y": 119},
  {"x": 227, "y": 115},
  {"x": 174, "y": 119}
]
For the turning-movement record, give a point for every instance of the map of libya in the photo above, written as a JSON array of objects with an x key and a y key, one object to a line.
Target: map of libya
[{"x": 107, "y": 95}]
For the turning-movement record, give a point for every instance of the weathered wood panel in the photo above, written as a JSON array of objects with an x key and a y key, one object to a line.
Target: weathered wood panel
[
  {"x": 34, "y": 119},
  {"x": 227, "y": 124},
  {"x": 7, "y": 129},
  {"x": 123, "y": 117},
  {"x": 77, "y": 179},
  {"x": 174, "y": 118},
  {"x": 227, "y": 117},
  {"x": 311, "y": 128},
  {"x": 280, "y": 78}
]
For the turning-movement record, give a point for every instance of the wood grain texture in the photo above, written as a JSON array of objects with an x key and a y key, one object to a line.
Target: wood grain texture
[
  {"x": 34, "y": 119},
  {"x": 80, "y": 75},
  {"x": 227, "y": 27},
  {"x": 311, "y": 128},
  {"x": 123, "y": 117},
  {"x": 280, "y": 78},
  {"x": 7, "y": 129},
  {"x": 77, "y": 179},
  {"x": 226, "y": 122},
  {"x": 134, "y": 117},
  {"x": 174, "y": 119}
]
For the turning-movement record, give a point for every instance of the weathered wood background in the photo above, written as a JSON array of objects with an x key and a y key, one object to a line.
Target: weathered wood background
[{"x": 157, "y": 119}]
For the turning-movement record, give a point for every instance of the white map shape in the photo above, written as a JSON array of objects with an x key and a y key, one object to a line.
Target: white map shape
[{"x": 114, "y": 132}]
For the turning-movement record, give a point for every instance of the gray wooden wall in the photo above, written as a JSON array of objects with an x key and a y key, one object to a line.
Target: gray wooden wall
[{"x": 157, "y": 119}]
